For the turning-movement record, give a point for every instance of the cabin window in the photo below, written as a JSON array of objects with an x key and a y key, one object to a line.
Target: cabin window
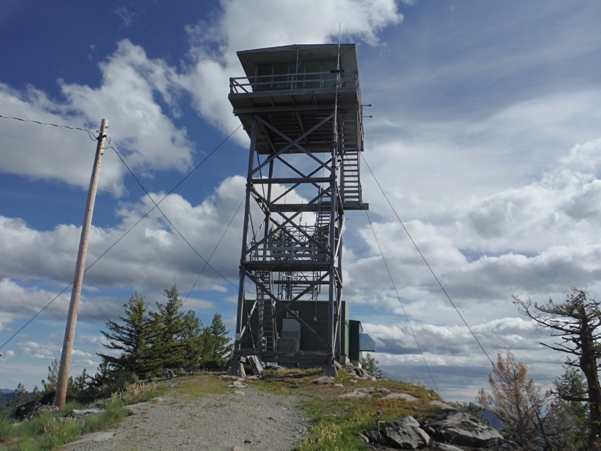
[{"x": 308, "y": 74}]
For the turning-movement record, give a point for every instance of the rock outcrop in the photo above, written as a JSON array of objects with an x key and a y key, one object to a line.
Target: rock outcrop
[
  {"x": 450, "y": 430},
  {"x": 460, "y": 428},
  {"x": 31, "y": 409},
  {"x": 405, "y": 434}
]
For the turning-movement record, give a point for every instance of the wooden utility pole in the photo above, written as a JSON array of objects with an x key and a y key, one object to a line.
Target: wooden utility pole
[{"x": 63, "y": 374}]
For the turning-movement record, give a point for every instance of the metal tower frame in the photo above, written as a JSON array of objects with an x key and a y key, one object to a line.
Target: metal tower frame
[{"x": 301, "y": 107}]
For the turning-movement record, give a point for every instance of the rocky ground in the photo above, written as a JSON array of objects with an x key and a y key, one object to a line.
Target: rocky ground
[{"x": 246, "y": 420}]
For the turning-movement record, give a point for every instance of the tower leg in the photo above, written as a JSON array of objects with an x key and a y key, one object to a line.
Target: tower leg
[{"x": 330, "y": 369}]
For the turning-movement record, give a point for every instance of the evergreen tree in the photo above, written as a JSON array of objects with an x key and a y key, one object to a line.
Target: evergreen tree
[
  {"x": 50, "y": 385},
  {"x": 102, "y": 380},
  {"x": 371, "y": 365},
  {"x": 207, "y": 347},
  {"x": 133, "y": 338},
  {"x": 191, "y": 337},
  {"x": 567, "y": 416},
  {"x": 19, "y": 397},
  {"x": 37, "y": 394},
  {"x": 82, "y": 386},
  {"x": 149, "y": 342},
  {"x": 170, "y": 325},
  {"x": 221, "y": 345}
]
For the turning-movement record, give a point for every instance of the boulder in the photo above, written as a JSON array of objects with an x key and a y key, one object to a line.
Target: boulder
[
  {"x": 446, "y": 447},
  {"x": 402, "y": 396},
  {"x": 360, "y": 372},
  {"x": 375, "y": 437},
  {"x": 227, "y": 377},
  {"x": 29, "y": 410},
  {"x": 83, "y": 413},
  {"x": 363, "y": 438},
  {"x": 323, "y": 380},
  {"x": 273, "y": 366},
  {"x": 405, "y": 434},
  {"x": 355, "y": 394},
  {"x": 237, "y": 385},
  {"x": 48, "y": 398},
  {"x": 460, "y": 428}
]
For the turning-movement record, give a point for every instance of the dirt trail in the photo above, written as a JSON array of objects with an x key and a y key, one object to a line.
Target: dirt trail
[{"x": 253, "y": 420}]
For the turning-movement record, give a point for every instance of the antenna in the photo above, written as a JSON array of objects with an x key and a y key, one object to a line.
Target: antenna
[{"x": 339, "y": 30}]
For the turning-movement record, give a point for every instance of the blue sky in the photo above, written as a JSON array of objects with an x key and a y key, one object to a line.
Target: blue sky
[{"x": 485, "y": 136}]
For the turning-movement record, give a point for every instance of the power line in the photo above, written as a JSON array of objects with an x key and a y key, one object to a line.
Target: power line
[
  {"x": 426, "y": 262},
  {"x": 169, "y": 220},
  {"x": 164, "y": 197},
  {"x": 47, "y": 123},
  {"x": 215, "y": 249},
  {"x": 401, "y": 301},
  {"x": 36, "y": 315},
  {"x": 126, "y": 232}
]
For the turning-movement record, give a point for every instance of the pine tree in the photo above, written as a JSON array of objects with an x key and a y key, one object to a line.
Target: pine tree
[
  {"x": 221, "y": 344},
  {"x": 169, "y": 323},
  {"x": 371, "y": 365},
  {"x": 207, "y": 347},
  {"x": 19, "y": 397},
  {"x": 37, "y": 394},
  {"x": 50, "y": 385},
  {"x": 567, "y": 416},
  {"x": 191, "y": 337},
  {"x": 133, "y": 338},
  {"x": 81, "y": 386}
]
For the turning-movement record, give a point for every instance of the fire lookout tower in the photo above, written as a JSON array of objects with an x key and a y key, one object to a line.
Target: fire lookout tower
[{"x": 301, "y": 107}]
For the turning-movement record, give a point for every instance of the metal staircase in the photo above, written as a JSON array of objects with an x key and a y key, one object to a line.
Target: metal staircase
[
  {"x": 266, "y": 314},
  {"x": 350, "y": 182},
  {"x": 351, "y": 141}
]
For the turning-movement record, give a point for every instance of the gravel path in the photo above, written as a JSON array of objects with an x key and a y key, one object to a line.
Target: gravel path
[{"x": 242, "y": 422}]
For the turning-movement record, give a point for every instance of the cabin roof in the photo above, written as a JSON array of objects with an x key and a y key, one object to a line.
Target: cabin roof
[{"x": 298, "y": 52}]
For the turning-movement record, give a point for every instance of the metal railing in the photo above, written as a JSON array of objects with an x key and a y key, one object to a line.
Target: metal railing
[{"x": 297, "y": 81}]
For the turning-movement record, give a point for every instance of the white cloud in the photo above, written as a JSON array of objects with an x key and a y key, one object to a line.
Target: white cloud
[
  {"x": 44, "y": 152},
  {"x": 447, "y": 342},
  {"x": 85, "y": 363},
  {"x": 139, "y": 95},
  {"x": 80, "y": 353},
  {"x": 152, "y": 254},
  {"x": 241, "y": 26},
  {"x": 18, "y": 301},
  {"x": 126, "y": 14},
  {"x": 540, "y": 238},
  {"x": 197, "y": 304},
  {"x": 151, "y": 257},
  {"x": 138, "y": 125},
  {"x": 39, "y": 350}
]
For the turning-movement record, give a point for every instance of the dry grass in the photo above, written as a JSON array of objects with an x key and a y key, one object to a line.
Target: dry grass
[
  {"x": 338, "y": 421},
  {"x": 200, "y": 385}
]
